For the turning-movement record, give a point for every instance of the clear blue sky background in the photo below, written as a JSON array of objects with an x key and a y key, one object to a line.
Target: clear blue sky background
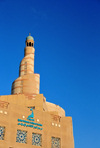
[{"x": 67, "y": 56}]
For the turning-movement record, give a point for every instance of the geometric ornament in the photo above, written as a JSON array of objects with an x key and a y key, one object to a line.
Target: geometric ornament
[
  {"x": 2, "y": 132},
  {"x": 55, "y": 142},
  {"x": 21, "y": 136},
  {"x": 36, "y": 139}
]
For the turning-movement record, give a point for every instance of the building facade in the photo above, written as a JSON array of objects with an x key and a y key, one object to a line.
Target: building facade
[{"x": 27, "y": 120}]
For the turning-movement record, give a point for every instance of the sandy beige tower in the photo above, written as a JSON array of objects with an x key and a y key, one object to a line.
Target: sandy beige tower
[
  {"x": 27, "y": 120},
  {"x": 27, "y": 82}
]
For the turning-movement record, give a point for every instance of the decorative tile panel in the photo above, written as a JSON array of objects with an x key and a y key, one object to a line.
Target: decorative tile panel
[
  {"x": 2, "y": 132},
  {"x": 55, "y": 142},
  {"x": 36, "y": 139},
  {"x": 21, "y": 136}
]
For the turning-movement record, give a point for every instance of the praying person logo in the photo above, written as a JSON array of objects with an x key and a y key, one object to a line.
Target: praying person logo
[
  {"x": 30, "y": 123},
  {"x": 31, "y": 116}
]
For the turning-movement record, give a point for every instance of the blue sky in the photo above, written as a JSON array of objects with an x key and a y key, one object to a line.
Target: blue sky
[{"x": 67, "y": 56}]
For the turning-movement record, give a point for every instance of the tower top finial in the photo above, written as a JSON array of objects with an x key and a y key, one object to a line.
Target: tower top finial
[{"x": 29, "y": 37}]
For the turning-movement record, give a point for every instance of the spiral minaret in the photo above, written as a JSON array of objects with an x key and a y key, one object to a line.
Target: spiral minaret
[{"x": 28, "y": 82}]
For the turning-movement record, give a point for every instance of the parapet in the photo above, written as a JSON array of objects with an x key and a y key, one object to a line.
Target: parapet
[{"x": 55, "y": 108}]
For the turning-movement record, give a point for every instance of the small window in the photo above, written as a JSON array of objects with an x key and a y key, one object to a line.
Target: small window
[
  {"x": 21, "y": 82},
  {"x": 32, "y": 44},
  {"x": 2, "y": 132},
  {"x": 25, "y": 67},
  {"x": 25, "y": 72},
  {"x": 36, "y": 139},
  {"x": 29, "y": 43},
  {"x": 21, "y": 136}
]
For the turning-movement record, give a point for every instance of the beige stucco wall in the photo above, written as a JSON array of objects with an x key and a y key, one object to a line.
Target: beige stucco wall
[{"x": 53, "y": 124}]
